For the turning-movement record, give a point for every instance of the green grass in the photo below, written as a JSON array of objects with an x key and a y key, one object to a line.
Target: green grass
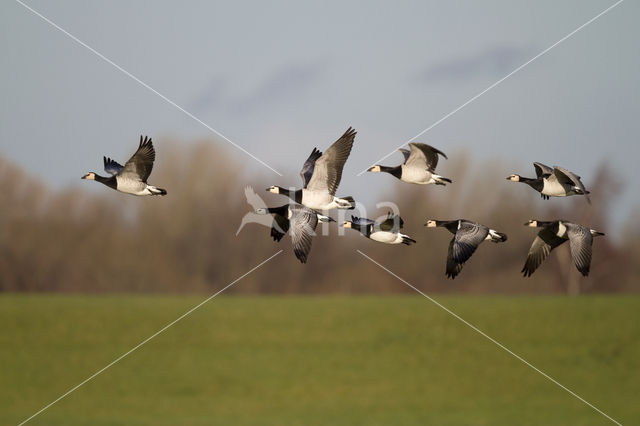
[{"x": 319, "y": 360}]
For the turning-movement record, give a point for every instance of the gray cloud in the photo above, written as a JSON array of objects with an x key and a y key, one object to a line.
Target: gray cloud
[
  {"x": 495, "y": 62},
  {"x": 289, "y": 82}
]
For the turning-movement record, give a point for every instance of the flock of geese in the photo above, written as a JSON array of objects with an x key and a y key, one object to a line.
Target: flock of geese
[{"x": 321, "y": 174}]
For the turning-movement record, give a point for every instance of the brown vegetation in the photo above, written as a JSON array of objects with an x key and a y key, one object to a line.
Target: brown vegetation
[{"x": 104, "y": 241}]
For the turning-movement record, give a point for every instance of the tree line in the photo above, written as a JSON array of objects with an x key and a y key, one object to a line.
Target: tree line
[{"x": 85, "y": 240}]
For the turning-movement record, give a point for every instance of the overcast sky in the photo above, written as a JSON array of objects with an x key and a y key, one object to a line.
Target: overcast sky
[{"x": 276, "y": 76}]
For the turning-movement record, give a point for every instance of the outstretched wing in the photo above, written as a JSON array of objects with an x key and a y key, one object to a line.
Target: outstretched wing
[
  {"x": 423, "y": 155},
  {"x": 327, "y": 171},
  {"x": 467, "y": 239},
  {"x": 405, "y": 153},
  {"x": 393, "y": 223},
  {"x": 111, "y": 166},
  {"x": 545, "y": 241},
  {"x": 565, "y": 176},
  {"x": 279, "y": 227},
  {"x": 542, "y": 170},
  {"x": 140, "y": 164},
  {"x": 361, "y": 221},
  {"x": 303, "y": 225},
  {"x": 309, "y": 165},
  {"x": 453, "y": 268},
  {"x": 581, "y": 242}
]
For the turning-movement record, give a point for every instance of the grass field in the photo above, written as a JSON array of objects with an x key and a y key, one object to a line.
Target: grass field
[{"x": 395, "y": 360}]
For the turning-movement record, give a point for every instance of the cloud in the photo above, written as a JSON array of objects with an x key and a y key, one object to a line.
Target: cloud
[
  {"x": 290, "y": 82},
  {"x": 495, "y": 62}
]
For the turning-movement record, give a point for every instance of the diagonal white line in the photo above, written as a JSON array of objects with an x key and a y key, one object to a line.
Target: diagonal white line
[
  {"x": 496, "y": 83},
  {"x": 500, "y": 345},
  {"x": 142, "y": 83},
  {"x": 148, "y": 338}
]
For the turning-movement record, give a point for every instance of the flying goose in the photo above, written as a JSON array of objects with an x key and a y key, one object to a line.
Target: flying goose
[
  {"x": 419, "y": 166},
  {"x": 299, "y": 221},
  {"x": 553, "y": 182},
  {"x": 555, "y": 233},
  {"x": 132, "y": 177},
  {"x": 321, "y": 175},
  {"x": 386, "y": 231},
  {"x": 467, "y": 236}
]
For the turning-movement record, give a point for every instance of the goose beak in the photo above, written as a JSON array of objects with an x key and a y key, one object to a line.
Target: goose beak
[{"x": 83, "y": 177}]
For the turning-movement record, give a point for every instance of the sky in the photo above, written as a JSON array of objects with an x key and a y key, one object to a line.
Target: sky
[{"x": 278, "y": 78}]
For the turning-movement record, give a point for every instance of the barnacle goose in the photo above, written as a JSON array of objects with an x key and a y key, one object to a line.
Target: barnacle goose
[
  {"x": 386, "y": 231},
  {"x": 553, "y": 234},
  {"x": 299, "y": 221},
  {"x": 132, "y": 177},
  {"x": 419, "y": 166},
  {"x": 553, "y": 182},
  {"x": 467, "y": 236},
  {"x": 321, "y": 175}
]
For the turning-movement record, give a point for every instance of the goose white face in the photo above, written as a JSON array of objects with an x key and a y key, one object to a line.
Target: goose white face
[
  {"x": 274, "y": 189},
  {"x": 430, "y": 224},
  {"x": 374, "y": 169},
  {"x": 514, "y": 178},
  {"x": 89, "y": 176},
  {"x": 532, "y": 223}
]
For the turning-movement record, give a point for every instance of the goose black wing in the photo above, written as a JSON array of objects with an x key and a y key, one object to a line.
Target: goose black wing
[
  {"x": 309, "y": 165},
  {"x": 570, "y": 178},
  {"x": 279, "y": 227},
  {"x": 140, "y": 164},
  {"x": 542, "y": 170},
  {"x": 303, "y": 225},
  {"x": 423, "y": 155},
  {"x": 327, "y": 170},
  {"x": 467, "y": 239},
  {"x": 545, "y": 241},
  {"x": 111, "y": 166},
  {"x": 361, "y": 221},
  {"x": 580, "y": 242},
  {"x": 405, "y": 153},
  {"x": 453, "y": 268},
  {"x": 393, "y": 223}
]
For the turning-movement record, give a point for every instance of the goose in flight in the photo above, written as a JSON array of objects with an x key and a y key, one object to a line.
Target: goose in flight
[
  {"x": 299, "y": 221},
  {"x": 321, "y": 175},
  {"x": 467, "y": 236},
  {"x": 555, "y": 233},
  {"x": 386, "y": 231},
  {"x": 553, "y": 182},
  {"x": 132, "y": 177},
  {"x": 419, "y": 166}
]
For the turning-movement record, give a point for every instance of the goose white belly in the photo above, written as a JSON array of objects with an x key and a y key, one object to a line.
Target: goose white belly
[
  {"x": 416, "y": 175},
  {"x": 553, "y": 188},
  {"x": 386, "y": 237},
  {"x": 130, "y": 186},
  {"x": 318, "y": 200}
]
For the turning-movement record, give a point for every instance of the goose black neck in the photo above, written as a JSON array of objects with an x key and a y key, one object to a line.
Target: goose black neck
[
  {"x": 295, "y": 195},
  {"x": 396, "y": 171},
  {"x": 451, "y": 225},
  {"x": 109, "y": 181},
  {"x": 282, "y": 210},
  {"x": 536, "y": 183},
  {"x": 364, "y": 229}
]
